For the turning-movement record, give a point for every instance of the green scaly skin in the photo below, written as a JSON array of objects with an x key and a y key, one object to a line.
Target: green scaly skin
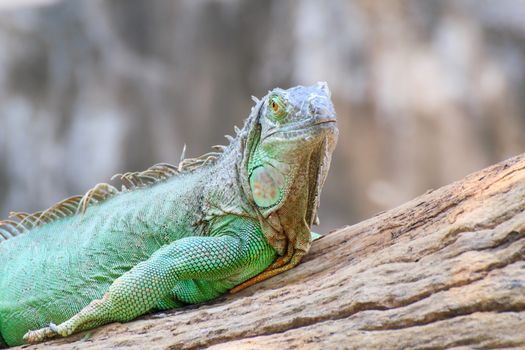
[{"x": 180, "y": 239}]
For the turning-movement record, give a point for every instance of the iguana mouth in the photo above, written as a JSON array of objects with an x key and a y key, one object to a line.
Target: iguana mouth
[
  {"x": 309, "y": 123},
  {"x": 327, "y": 120},
  {"x": 299, "y": 130}
]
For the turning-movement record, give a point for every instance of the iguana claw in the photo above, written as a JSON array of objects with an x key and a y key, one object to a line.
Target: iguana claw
[
  {"x": 41, "y": 334},
  {"x": 53, "y": 327}
]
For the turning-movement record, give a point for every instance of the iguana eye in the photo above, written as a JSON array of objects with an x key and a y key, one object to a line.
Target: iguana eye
[
  {"x": 275, "y": 106},
  {"x": 277, "y": 109}
]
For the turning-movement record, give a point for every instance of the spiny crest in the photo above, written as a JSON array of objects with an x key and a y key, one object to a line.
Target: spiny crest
[{"x": 102, "y": 191}]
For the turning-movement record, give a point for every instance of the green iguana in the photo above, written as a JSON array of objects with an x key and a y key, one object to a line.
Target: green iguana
[{"x": 173, "y": 235}]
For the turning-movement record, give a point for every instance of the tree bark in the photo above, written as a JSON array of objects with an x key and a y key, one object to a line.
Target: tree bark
[{"x": 444, "y": 270}]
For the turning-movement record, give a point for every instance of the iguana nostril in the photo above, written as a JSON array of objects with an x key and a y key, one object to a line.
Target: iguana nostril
[
  {"x": 312, "y": 108},
  {"x": 324, "y": 86},
  {"x": 321, "y": 111}
]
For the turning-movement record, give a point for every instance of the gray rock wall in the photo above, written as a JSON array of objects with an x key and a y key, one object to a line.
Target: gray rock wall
[{"x": 426, "y": 91}]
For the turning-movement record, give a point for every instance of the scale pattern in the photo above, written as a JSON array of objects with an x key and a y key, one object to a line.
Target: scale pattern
[
  {"x": 208, "y": 259},
  {"x": 173, "y": 235}
]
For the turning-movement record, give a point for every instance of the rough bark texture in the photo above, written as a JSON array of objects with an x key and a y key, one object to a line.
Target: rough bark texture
[{"x": 444, "y": 270}]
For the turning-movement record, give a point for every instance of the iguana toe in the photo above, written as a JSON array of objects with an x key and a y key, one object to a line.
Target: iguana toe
[
  {"x": 40, "y": 335},
  {"x": 53, "y": 327}
]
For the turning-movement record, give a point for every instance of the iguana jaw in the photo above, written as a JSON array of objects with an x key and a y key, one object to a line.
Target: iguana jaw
[
  {"x": 287, "y": 229},
  {"x": 299, "y": 145},
  {"x": 302, "y": 129},
  {"x": 292, "y": 158},
  {"x": 303, "y": 170}
]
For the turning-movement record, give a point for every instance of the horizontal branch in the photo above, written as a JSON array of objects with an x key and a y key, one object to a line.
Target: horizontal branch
[{"x": 445, "y": 269}]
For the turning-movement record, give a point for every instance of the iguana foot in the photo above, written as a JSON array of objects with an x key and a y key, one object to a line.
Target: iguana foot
[
  {"x": 276, "y": 268},
  {"x": 41, "y": 334}
]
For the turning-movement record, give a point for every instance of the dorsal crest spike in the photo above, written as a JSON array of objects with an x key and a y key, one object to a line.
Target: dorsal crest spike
[
  {"x": 219, "y": 148},
  {"x": 18, "y": 215},
  {"x": 183, "y": 153},
  {"x": 78, "y": 205},
  {"x": 98, "y": 193},
  {"x": 9, "y": 229}
]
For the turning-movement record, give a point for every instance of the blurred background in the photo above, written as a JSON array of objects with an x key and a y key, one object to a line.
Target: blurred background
[{"x": 427, "y": 91}]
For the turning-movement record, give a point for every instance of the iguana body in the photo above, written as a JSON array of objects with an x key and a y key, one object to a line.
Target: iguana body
[{"x": 173, "y": 235}]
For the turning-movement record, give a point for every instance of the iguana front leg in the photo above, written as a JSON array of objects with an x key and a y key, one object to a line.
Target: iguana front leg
[
  {"x": 139, "y": 290},
  {"x": 280, "y": 266},
  {"x": 293, "y": 256}
]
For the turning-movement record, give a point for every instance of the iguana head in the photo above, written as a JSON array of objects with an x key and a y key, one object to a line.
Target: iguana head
[{"x": 291, "y": 136}]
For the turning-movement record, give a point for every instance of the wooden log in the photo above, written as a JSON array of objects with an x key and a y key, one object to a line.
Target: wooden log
[{"x": 444, "y": 270}]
